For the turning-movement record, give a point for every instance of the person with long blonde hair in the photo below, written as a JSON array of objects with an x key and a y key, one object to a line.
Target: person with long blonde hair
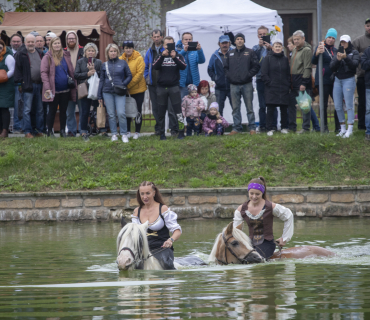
[{"x": 56, "y": 68}]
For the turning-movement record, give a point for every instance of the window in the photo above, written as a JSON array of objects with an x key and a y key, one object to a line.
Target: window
[{"x": 294, "y": 22}]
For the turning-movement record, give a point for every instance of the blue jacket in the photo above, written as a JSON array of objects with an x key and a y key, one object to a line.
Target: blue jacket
[
  {"x": 261, "y": 53},
  {"x": 216, "y": 70},
  {"x": 326, "y": 59},
  {"x": 119, "y": 72},
  {"x": 149, "y": 60},
  {"x": 192, "y": 59}
]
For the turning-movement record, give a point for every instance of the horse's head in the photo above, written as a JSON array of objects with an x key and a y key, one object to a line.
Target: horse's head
[
  {"x": 132, "y": 246},
  {"x": 234, "y": 246}
]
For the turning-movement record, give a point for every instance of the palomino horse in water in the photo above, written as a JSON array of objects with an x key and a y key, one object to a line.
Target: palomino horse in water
[
  {"x": 133, "y": 250},
  {"x": 234, "y": 246}
]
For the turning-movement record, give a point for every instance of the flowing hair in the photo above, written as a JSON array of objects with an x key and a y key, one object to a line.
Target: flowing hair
[
  {"x": 157, "y": 196},
  {"x": 260, "y": 180},
  {"x": 57, "y": 55}
]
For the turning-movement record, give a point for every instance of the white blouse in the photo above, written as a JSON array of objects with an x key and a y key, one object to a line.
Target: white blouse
[
  {"x": 169, "y": 217},
  {"x": 10, "y": 63},
  {"x": 280, "y": 212}
]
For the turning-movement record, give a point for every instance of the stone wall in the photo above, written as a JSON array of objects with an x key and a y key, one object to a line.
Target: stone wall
[{"x": 315, "y": 202}]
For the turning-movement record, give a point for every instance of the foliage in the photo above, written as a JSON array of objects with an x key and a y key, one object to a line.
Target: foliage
[{"x": 45, "y": 164}]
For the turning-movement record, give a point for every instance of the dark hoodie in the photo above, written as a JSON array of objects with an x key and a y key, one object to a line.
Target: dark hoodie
[{"x": 346, "y": 68}]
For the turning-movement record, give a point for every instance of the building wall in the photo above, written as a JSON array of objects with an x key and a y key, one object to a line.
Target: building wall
[{"x": 347, "y": 17}]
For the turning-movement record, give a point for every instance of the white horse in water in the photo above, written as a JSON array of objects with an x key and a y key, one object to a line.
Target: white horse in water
[{"x": 133, "y": 250}]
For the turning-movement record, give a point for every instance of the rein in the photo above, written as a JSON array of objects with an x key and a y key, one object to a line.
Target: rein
[
  {"x": 138, "y": 258},
  {"x": 227, "y": 247}
]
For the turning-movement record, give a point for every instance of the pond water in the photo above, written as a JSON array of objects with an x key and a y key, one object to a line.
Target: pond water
[{"x": 68, "y": 271}]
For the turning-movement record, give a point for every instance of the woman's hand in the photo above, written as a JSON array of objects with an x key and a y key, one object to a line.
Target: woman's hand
[
  {"x": 219, "y": 121},
  {"x": 281, "y": 242},
  {"x": 167, "y": 244},
  {"x": 91, "y": 72},
  {"x": 101, "y": 101},
  {"x": 90, "y": 66},
  {"x": 339, "y": 56},
  {"x": 210, "y": 131}
]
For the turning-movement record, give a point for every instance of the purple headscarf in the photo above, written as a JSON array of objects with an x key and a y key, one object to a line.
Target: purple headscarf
[{"x": 257, "y": 186}]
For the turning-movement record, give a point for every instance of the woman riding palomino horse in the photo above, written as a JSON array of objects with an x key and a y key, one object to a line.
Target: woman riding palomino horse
[
  {"x": 161, "y": 220},
  {"x": 259, "y": 213}
]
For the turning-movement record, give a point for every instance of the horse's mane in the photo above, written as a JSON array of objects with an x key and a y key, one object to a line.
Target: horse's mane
[{"x": 238, "y": 235}]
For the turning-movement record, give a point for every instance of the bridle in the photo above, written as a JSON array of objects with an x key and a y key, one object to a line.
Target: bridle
[
  {"x": 139, "y": 259},
  {"x": 227, "y": 247}
]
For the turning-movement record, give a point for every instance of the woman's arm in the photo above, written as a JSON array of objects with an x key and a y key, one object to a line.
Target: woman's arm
[
  {"x": 45, "y": 71},
  {"x": 140, "y": 68},
  {"x": 127, "y": 74},
  {"x": 238, "y": 219},
  {"x": 78, "y": 74},
  {"x": 285, "y": 215},
  {"x": 10, "y": 63},
  {"x": 170, "y": 219}
]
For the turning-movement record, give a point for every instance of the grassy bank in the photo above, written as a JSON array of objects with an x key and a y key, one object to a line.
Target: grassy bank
[{"x": 230, "y": 161}]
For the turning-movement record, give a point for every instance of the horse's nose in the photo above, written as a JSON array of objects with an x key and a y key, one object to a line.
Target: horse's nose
[{"x": 254, "y": 257}]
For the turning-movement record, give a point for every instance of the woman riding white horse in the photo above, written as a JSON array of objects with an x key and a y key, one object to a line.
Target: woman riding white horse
[
  {"x": 258, "y": 213},
  {"x": 161, "y": 221}
]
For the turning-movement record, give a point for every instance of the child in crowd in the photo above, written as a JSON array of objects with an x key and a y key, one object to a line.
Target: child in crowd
[
  {"x": 192, "y": 106},
  {"x": 205, "y": 93},
  {"x": 214, "y": 123}
]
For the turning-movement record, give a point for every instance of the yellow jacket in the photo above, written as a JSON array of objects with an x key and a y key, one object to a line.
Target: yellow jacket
[{"x": 137, "y": 67}]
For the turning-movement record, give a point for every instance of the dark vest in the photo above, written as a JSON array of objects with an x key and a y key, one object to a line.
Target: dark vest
[
  {"x": 157, "y": 238},
  {"x": 261, "y": 228}
]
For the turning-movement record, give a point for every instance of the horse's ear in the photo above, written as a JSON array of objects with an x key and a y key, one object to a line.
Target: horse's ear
[
  {"x": 229, "y": 229},
  {"x": 123, "y": 222},
  {"x": 240, "y": 226}
]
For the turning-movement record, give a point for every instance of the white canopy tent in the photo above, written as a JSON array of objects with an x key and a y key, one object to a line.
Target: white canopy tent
[{"x": 207, "y": 20}]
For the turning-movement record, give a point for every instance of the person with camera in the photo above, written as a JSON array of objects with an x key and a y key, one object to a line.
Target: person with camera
[
  {"x": 344, "y": 64},
  {"x": 328, "y": 51},
  {"x": 169, "y": 64},
  {"x": 115, "y": 75},
  {"x": 59, "y": 85},
  {"x": 193, "y": 56}
]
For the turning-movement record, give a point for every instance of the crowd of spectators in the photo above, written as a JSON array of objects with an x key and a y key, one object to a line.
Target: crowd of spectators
[{"x": 38, "y": 77}]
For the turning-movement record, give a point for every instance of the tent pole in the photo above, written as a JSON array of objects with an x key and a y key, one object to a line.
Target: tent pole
[{"x": 321, "y": 83}]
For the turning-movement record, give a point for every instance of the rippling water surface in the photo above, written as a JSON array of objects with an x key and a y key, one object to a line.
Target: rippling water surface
[{"x": 68, "y": 271}]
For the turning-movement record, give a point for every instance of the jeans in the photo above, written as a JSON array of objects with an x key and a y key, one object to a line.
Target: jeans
[
  {"x": 193, "y": 124},
  {"x": 315, "y": 121},
  {"x": 292, "y": 112},
  {"x": 221, "y": 96},
  {"x": 362, "y": 101},
  {"x": 115, "y": 103},
  {"x": 139, "y": 98},
  {"x": 17, "y": 124},
  {"x": 262, "y": 104},
  {"x": 174, "y": 95},
  {"x": 328, "y": 90},
  {"x": 61, "y": 100},
  {"x": 245, "y": 91},
  {"x": 270, "y": 119},
  {"x": 367, "y": 116},
  {"x": 71, "y": 116},
  {"x": 171, "y": 115},
  {"x": 84, "y": 113},
  {"x": 34, "y": 99},
  {"x": 344, "y": 89},
  {"x": 184, "y": 91}
]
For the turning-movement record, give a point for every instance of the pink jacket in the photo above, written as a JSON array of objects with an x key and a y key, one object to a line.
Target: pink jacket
[
  {"x": 48, "y": 75},
  {"x": 209, "y": 124},
  {"x": 189, "y": 106}
]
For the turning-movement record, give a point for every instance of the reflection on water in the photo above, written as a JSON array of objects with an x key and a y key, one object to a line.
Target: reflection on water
[{"x": 61, "y": 271}]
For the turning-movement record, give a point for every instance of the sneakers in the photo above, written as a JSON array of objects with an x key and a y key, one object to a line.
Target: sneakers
[
  {"x": 136, "y": 136},
  {"x": 303, "y": 131},
  {"x": 348, "y": 134},
  {"x": 125, "y": 138},
  {"x": 270, "y": 133},
  {"x": 85, "y": 137},
  {"x": 284, "y": 131},
  {"x": 104, "y": 134},
  {"x": 252, "y": 132},
  {"x": 233, "y": 132},
  {"x": 181, "y": 135},
  {"x": 341, "y": 133},
  {"x": 162, "y": 137},
  {"x": 128, "y": 135},
  {"x": 114, "y": 138},
  {"x": 29, "y": 136},
  {"x": 367, "y": 137}
]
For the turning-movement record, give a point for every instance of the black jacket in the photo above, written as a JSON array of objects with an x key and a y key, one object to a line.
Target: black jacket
[
  {"x": 82, "y": 70},
  {"x": 241, "y": 65},
  {"x": 326, "y": 59},
  {"x": 169, "y": 70},
  {"x": 275, "y": 74},
  {"x": 346, "y": 68},
  {"x": 365, "y": 65},
  {"x": 22, "y": 71}
]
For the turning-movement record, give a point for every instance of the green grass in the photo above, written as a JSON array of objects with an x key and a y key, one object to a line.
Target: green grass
[{"x": 230, "y": 161}]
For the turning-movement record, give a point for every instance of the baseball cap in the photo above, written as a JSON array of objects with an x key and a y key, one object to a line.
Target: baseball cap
[
  {"x": 345, "y": 38},
  {"x": 367, "y": 20},
  {"x": 224, "y": 38},
  {"x": 51, "y": 35}
]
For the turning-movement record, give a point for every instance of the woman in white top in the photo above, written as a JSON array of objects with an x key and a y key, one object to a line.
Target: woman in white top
[
  {"x": 258, "y": 213},
  {"x": 162, "y": 221},
  {"x": 7, "y": 92}
]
